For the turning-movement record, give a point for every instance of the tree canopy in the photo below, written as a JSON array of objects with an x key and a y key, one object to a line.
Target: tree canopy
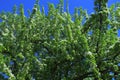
[{"x": 59, "y": 45}]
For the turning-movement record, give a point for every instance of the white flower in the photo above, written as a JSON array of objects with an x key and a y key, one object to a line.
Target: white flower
[{"x": 88, "y": 53}]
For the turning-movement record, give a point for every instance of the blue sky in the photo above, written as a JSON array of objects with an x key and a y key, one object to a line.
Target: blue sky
[{"x": 7, "y": 5}]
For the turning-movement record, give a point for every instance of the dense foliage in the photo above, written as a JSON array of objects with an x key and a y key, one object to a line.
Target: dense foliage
[{"x": 60, "y": 46}]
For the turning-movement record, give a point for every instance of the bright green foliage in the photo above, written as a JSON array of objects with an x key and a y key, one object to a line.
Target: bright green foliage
[{"x": 58, "y": 46}]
